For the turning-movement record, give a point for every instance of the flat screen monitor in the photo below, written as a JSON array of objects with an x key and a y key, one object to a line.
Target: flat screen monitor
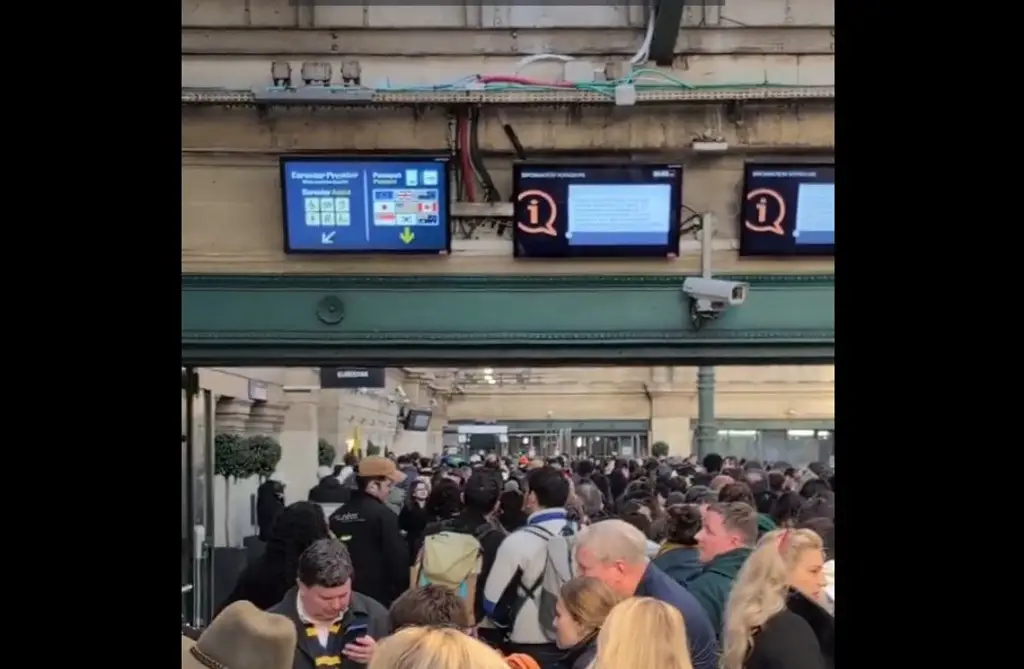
[
  {"x": 596, "y": 210},
  {"x": 365, "y": 204},
  {"x": 417, "y": 420},
  {"x": 788, "y": 210}
]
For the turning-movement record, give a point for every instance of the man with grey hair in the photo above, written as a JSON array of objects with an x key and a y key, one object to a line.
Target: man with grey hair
[
  {"x": 592, "y": 500},
  {"x": 336, "y": 626},
  {"x": 615, "y": 552}
]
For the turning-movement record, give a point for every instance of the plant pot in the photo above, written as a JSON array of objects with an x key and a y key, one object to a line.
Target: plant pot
[{"x": 228, "y": 563}]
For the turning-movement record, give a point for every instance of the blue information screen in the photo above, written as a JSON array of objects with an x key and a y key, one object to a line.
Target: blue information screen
[
  {"x": 596, "y": 211},
  {"x": 788, "y": 210},
  {"x": 365, "y": 205}
]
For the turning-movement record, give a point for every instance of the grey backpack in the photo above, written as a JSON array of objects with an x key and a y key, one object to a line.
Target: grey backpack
[{"x": 557, "y": 572}]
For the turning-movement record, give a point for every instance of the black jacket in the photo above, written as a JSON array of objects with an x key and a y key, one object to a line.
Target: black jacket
[
  {"x": 581, "y": 655},
  {"x": 617, "y": 482},
  {"x": 412, "y": 519},
  {"x": 361, "y": 610},
  {"x": 380, "y": 557},
  {"x": 801, "y": 636},
  {"x": 262, "y": 582},
  {"x": 329, "y": 491},
  {"x": 269, "y": 503}
]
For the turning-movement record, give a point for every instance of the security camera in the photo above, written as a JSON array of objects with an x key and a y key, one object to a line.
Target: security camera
[
  {"x": 710, "y": 297},
  {"x": 720, "y": 294}
]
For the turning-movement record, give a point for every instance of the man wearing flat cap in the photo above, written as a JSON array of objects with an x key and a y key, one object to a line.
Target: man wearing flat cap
[{"x": 242, "y": 637}]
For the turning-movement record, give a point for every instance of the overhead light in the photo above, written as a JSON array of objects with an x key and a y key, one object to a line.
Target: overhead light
[
  {"x": 490, "y": 380},
  {"x": 488, "y": 371}
]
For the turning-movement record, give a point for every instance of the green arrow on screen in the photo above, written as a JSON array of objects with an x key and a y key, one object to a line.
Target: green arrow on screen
[{"x": 407, "y": 236}]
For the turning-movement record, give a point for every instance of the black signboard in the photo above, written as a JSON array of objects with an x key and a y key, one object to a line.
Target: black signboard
[
  {"x": 788, "y": 210},
  {"x": 352, "y": 377},
  {"x": 615, "y": 210}
]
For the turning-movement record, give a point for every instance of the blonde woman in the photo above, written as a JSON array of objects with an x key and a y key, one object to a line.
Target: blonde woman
[
  {"x": 642, "y": 633},
  {"x": 772, "y": 618},
  {"x": 433, "y": 647},
  {"x": 579, "y": 614}
]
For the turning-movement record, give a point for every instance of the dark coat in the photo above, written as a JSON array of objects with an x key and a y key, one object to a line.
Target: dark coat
[
  {"x": 713, "y": 584},
  {"x": 329, "y": 491},
  {"x": 581, "y": 655},
  {"x": 362, "y": 610},
  {"x": 681, "y": 563},
  {"x": 380, "y": 556},
  {"x": 699, "y": 633},
  {"x": 801, "y": 636},
  {"x": 269, "y": 503},
  {"x": 412, "y": 520}
]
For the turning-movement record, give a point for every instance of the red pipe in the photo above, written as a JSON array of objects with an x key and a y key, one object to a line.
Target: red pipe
[{"x": 523, "y": 81}]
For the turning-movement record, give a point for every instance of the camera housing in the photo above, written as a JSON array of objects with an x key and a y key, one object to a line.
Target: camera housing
[{"x": 715, "y": 295}]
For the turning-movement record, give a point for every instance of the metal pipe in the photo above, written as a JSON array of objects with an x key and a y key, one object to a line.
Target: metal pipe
[{"x": 706, "y": 374}]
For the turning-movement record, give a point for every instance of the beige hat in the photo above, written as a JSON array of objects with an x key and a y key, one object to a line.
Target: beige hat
[
  {"x": 375, "y": 466},
  {"x": 242, "y": 637}
]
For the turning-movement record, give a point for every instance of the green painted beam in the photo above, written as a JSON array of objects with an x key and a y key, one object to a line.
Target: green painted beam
[
  {"x": 595, "y": 426},
  {"x": 448, "y": 320},
  {"x": 758, "y": 424}
]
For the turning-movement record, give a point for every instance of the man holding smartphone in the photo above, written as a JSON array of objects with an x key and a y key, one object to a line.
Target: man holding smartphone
[{"x": 337, "y": 628}]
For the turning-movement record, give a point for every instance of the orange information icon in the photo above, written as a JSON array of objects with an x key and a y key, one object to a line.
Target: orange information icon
[
  {"x": 533, "y": 224},
  {"x": 762, "y": 197}
]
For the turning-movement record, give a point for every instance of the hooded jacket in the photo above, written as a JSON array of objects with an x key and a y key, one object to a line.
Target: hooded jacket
[
  {"x": 712, "y": 585},
  {"x": 680, "y": 562},
  {"x": 765, "y": 524}
]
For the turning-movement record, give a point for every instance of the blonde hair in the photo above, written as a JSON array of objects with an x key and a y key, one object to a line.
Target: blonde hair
[
  {"x": 761, "y": 589},
  {"x": 588, "y": 601},
  {"x": 432, "y": 647},
  {"x": 660, "y": 627}
]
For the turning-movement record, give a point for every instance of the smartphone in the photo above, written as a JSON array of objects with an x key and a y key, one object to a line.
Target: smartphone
[{"x": 353, "y": 632}]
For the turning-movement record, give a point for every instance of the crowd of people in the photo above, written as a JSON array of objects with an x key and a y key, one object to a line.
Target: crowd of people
[{"x": 494, "y": 563}]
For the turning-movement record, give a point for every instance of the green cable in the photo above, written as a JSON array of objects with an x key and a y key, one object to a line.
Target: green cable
[
  {"x": 644, "y": 71},
  {"x": 606, "y": 88}
]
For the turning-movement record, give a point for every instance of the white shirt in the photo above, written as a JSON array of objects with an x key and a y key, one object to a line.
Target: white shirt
[{"x": 323, "y": 632}]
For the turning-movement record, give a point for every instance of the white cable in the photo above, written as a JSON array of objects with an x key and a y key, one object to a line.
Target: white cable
[
  {"x": 639, "y": 58},
  {"x": 641, "y": 55},
  {"x": 538, "y": 57}
]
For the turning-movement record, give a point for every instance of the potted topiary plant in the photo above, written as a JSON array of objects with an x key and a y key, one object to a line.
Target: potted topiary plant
[
  {"x": 233, "y": 460},
  {"x": 266, "y": 455},
  {"x": 325, "y": 453},
  {"x": 659, "y": 449}
]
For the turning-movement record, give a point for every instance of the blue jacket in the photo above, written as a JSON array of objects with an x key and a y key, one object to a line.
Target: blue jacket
[{"x": 699, "y": 632}]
